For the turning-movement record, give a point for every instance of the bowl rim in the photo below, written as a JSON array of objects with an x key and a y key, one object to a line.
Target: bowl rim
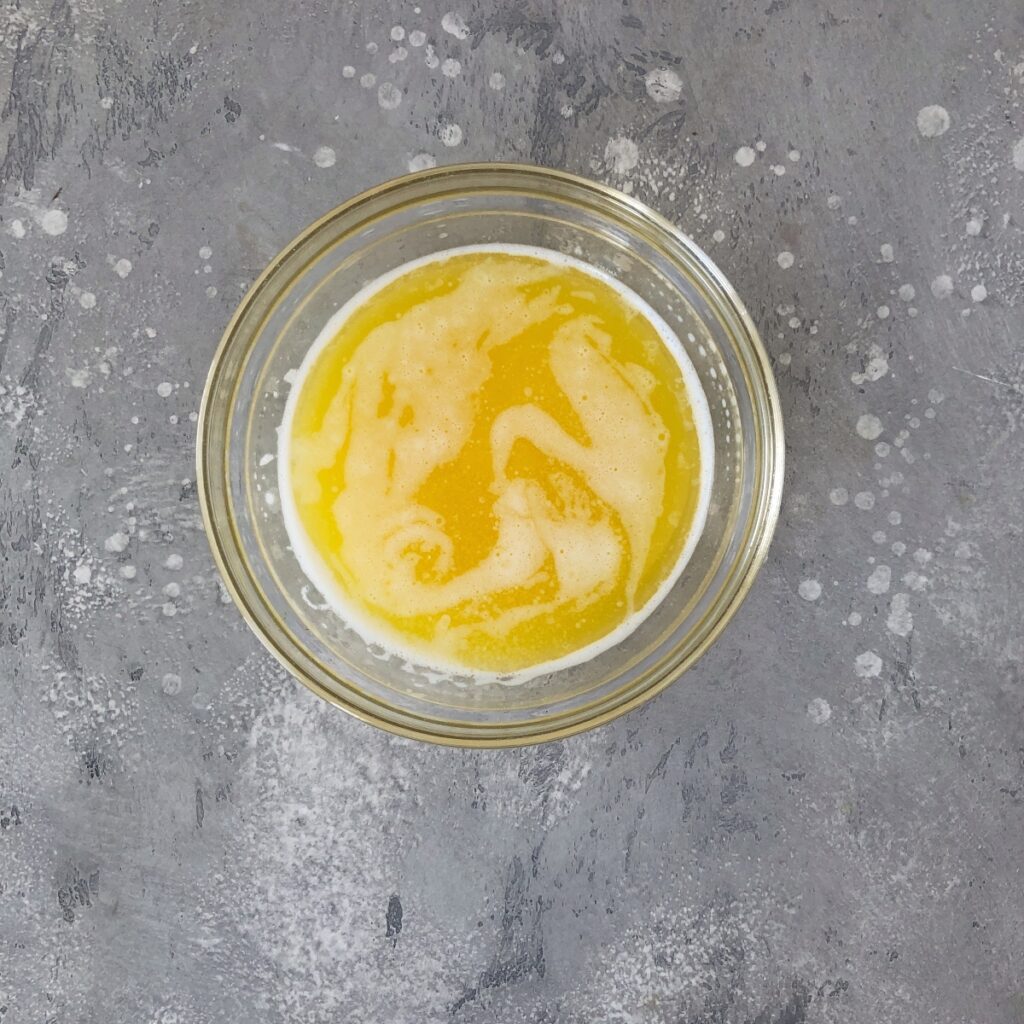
[{"x": 767, "y": 502}]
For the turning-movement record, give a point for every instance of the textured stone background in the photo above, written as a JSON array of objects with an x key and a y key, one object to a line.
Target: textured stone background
[{"x": 822, "y": 822}]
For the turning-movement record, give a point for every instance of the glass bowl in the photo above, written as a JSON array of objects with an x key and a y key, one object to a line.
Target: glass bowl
[{"x": 413, "y": 217}]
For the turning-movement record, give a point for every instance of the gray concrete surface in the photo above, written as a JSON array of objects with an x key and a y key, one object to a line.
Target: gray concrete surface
[{"x": 822, "y": 822}]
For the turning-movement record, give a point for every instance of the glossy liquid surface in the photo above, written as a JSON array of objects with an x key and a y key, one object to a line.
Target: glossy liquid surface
[{"x": 493, "y": 462}]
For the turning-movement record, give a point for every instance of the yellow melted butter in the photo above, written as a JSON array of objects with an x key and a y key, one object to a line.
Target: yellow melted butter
[{"x": 492, "y": 463}]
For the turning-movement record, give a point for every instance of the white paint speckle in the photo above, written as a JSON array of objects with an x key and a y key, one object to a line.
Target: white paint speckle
[
  {"x": 451, "y": 68},
  {"x": 879, "y": 580},
  {"x": 127, "y": 572},
  {"x": 809, "y": 590},
  {"x": 79, "y": 378},
  {"x": 864, "y": 500},
  {"x": 663, "y": 85},
  {"x": 205, "y": 252},
  {"x": 324, "y": 157},
  {"x": 496, "y": 81},
  {"x": 174, "y": 562},
  {"x": 867, "y": 665},
  {"x": 82, "y": 574},
  {"x": 106, "y": 102},
  {"x": 744, "y": 156},
  {"x": 621, "y": 154},
  {"x": 211, "y": 292},
  {"x": 906, "y": 292},
  {"x": 882, "y": 312},
  {"x": 974, "y": 226},
  {"x": 87, "y": 300},
  {"x": 171, "y": 684},
  {"x": 164, "y": 389},
  {"x": 417, "y": 37},
  {"x": 1018, "y": 154},
  {"x": 760, "y": 145},
  {"x": 348, "y": 71},
  {"x": 368, "y": 81},
  {"x": 54, "y": 222},
  {"x": 887, "y": 253},
  {"x": 933, "y": 121},
  {"x": 122, "y": 267},
  {"x": 854, "y": 619},
  {"x": 421, "y": 162},
  {"x": 838, "y": 496},
  {"x": 915, "y": 581},
  {"x": 169, "y": 609},
  {"x": 450, "y": 135},
  {"x": 942, "y": 286},
  {"x": 785, "y": 259},
  {"x": 16, "y": 229},
  {"x": 116, "y": 542},
  {"x": 389, "y": 96},
  {"x": 900, "y": 620},
  {"x": 719, "y": 235},
  {"x": 869, "y": 426},
  {"x": 454, "y": 24},
  {"x": 979, "y": 293},
  {"x": 794, "y": 155},
  {"x": 397, "y": 34},
  {"x": 778, "y": 170},
  {"x": 819, "y": 711}
]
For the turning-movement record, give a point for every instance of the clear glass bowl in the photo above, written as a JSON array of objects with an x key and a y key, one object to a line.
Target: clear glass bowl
[{"x": 412, "y": 217}]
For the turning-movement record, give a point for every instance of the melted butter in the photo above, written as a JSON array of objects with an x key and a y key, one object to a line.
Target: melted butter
[{"x": 491, "y": 461}]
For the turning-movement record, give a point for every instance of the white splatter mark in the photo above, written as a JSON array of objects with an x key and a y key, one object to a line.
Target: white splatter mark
[
  {"x": 906, "y": 292},
  {"x": 922, "y": 556},
  {"x": 760, "y": 145},
  {"x": 854, "y": 618},
  {"x": 1018, "y": 154},
  {"x": 171, "y": 684},
  {"x": 398, "y": 54},
  {"x": 127, "y": 572},
  {"x": 942, "y": 286},
  {"x": 915, "y": 581},
  {"x": 900, "y": 621},
  {"x": 663, "y": 85},
  {"x": 719, "y": 235},
  {"x": 172, "y": 590},
  {"x": 174, "y": 562},
  {"x": 397, "y": 34},
  {"x": 558, "y": 57},
  {"x": 116, "y": 542},
  {"x": 430, "y": 58},
  {"x": 284, "y": 147},
  {"x": 164, "y": 389},
  {"x": 834, "y": 202},
  {"x": 324, "y": 157},
  {"x": 819, "y": 711},
  {"x": 421, "y": 162},
  {"x": 496, "y": 81},
  {"x": 451, "y": 68},
  {"x": 122, "y": 267},
  {"x": 106, "y": 102},
  {"x": 936, "y": 397},
  {"x": 54, "y": 222},
  {"x": 450, "y": 135},
  {"x": 883, "y": 312},
  {"x": 87, "y": 300},
  {"x": 169, "y": 609},
  {"x": 979, "y": 293},
  {"x": 869, "y": 426},
  {"x": 838, "y": 496},
  {"x": 886, "y": 250},
  {"x": 864, "y": 500},
  {"x": 348, "y": 71},
  {"x": 270, "y": 497},
  {"x": 389, "y": 96},
  {"x": 17, "y": 229},
  {"x": 933, "y": 121},
  {"x": 867, "y": 665},
  {"x": 79, "y": 378},
  {"x": 205, "y": 252},
  {"x": 785, "y": 259},
  {"x": 417, "y": 37},
  {"x": 454, "y": 24},
  {"x": 211, "y": 292},
  {"x": 744, "y": 156},
  {"x": 879, "y": 580},
  {"x": 794, "y": 155},
  {"x": 621, "y": 154},
  {"x": 974, "y": 226},
  {"x": 778, "y": 170},
  {"x": 82, "y": 574},
  {"x": 368, "y": 81},
  {"x": 809, "y": 590}
]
